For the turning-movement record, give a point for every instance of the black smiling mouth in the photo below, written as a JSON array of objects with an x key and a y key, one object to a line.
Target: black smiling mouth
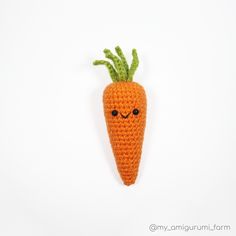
[
  {"x": 115, "y": 113},
  {"x": 125, "y": 117}
]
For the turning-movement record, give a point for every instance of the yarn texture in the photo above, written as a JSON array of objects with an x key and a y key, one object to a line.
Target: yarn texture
[
  {"x": 126, "y": 134},
  {"x": 124, "y": 103}
]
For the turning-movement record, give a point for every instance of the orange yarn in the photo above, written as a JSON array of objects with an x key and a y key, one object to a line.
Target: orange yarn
[{"x": 125, "y": 127}]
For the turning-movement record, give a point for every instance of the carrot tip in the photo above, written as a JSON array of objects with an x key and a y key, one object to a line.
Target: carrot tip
[{"x": 129, "y": 183}]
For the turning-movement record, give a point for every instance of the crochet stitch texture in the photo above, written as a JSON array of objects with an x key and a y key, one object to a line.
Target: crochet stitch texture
[
  {"x": 124, "y": 103},
  {"x": 126, "y": 135}
]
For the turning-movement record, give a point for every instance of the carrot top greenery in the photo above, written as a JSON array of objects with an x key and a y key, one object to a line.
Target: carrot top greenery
[{"x": 121, "y": 70}]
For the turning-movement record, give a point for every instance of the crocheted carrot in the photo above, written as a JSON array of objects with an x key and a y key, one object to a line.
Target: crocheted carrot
[{"x": 125, "y": 113}]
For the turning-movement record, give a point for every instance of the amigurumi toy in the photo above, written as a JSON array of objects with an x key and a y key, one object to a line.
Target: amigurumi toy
[{"x": 125, "y": 113}]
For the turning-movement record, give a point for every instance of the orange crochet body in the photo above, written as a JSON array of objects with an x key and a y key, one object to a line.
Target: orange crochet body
[{"x": 125, "y": 113}]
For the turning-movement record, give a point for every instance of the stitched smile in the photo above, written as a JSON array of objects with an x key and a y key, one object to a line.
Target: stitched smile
[{"x": 125, "y": 117}]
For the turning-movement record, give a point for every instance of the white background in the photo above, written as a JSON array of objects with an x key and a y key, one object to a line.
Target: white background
[{"x": 57, "y": 171}]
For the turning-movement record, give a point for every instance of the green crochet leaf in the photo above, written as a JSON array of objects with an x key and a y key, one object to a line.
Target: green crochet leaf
[{"x": 120, "y": 71}]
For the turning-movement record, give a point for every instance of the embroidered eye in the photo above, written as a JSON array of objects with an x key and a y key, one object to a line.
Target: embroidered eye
[
  {"x": 135, "y": 111},
  {"x": 114, "y": 112}
]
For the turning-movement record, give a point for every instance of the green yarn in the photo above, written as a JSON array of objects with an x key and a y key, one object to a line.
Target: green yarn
[
  {"x": 110, "y": 68},
  {"x": 123, "y": 59},
  {"x": 134, "y": 65},
  {"x": 117, "y": 63},
  {"x": 121, "y": 70}
]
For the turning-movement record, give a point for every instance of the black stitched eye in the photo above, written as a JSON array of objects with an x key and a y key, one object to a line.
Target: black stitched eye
[
  {"x": 135, "y": 111},
  {"x": 114, "y": 112}
]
